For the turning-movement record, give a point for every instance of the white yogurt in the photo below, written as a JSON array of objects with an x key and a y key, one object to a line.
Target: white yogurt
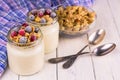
[
  {"x": 27, "y": 58},
  {"x": 50, "y": 35},
  {"x": 25, "y": 61}
]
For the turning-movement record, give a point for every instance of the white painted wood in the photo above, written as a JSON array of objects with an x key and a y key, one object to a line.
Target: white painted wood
[
  {"x": 82, "y": 68},
  {"x": 9, "y": 75},
  {"x": 48, "y": 72},
  {"x": 107, "y": 67}
]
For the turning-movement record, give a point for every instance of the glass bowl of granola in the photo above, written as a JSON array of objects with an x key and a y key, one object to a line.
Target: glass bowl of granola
[{"x": 75, "y": 20}]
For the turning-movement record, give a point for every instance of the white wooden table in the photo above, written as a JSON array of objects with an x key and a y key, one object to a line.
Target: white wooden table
[{"x": 85, "y": 67}]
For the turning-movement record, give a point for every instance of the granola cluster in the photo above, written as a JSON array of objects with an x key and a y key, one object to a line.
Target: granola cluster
[{"x": 74, "y": 18}]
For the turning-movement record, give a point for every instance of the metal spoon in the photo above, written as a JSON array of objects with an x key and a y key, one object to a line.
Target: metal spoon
[
  {"x": 99, "y": 51},
  {"x": 94, "y": 39}
]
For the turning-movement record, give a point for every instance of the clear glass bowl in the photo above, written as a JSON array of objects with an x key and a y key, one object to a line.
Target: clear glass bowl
[{"x": 80, "y": 32}]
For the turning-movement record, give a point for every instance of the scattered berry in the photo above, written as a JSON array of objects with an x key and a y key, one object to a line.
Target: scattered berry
[
  {"x": 24, "y": 24},
  {"x": 31, "y": 17},
  {"x": 33, "y": 38},
  {"x": 48, "y": 11},
  {"x": 43, "y": 20},
  {"x": 37, "y": 29},
  {"x": 22, "y": 32},
  {"x": 13, "y": 33},
  {"x": 53, "y": 14},
  {"x": 28, "y": 29},
  {"x": 23, "y": 40}
]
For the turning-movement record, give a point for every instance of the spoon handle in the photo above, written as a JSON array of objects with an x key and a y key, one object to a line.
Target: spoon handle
[
  {"x": 72, "y": 60},
  {"x": 69, "y": 62},
  {"x": 59, "y": 59},
  {"x": 64, "y": 58}
]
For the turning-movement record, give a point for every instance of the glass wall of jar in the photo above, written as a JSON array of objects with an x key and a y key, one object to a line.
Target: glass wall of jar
[{"x": 25, "y": 58}]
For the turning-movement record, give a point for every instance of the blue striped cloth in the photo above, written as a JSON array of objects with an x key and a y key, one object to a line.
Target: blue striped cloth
[{"x": 13, "y": 11}]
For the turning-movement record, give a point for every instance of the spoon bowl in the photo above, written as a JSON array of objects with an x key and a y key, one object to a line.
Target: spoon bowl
[{"x": 104, "y": 49}]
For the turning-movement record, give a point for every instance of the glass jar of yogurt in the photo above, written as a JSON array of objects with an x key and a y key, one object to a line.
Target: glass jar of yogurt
[
  {"x": 25, "y": 57},
  {"x": 46, "y": 20}
]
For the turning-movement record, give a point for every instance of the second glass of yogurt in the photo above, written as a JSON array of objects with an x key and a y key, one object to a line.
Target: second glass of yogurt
[{"x": 46, "y": 20}]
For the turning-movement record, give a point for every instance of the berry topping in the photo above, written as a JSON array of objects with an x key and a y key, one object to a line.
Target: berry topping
[
  {"x": 43, "y": 20},
  {"x": 33, "y": 38},
  {"x": 24, "y": 35},
  {"x": 22, "y": 32},
  {"x": 31, "y": 17},
  {"x": 28, "y": 29},
  {"x": 13, "y": 33},
  {"x": 48, "y": 11},
  {"x": 37, "y": 29},
  {"x": 40, "y": 14},
  {"x": 24, "y": 24},
  {"x": 23, "y": 40},
  {"x": 53, "y": 14}
]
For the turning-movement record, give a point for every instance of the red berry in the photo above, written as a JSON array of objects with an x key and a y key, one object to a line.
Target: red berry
[
  {"x": 48, "y": 11},
  {"x": 24, "y": 24},
  {"x": 33, "y": 38},
  {"x": 22, "y": 32},
  {"x": 14, "y": 33},
  {"x": 40, "y": 14}
]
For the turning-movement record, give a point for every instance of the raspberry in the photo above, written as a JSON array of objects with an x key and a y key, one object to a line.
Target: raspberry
[
  {"x": 48, "y": 11},
  {"x": 13, "y": 33},
  {"x": 22, "y": 32},
  {"x": 24, "y": 24},
  {"x": 40, "y": 14},
  {"x": 33, "y": 38}
]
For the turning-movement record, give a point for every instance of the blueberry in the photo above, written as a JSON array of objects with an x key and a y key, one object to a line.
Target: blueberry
[
  {"x": 28, "y": 29},
  {"x": 53, "y": 14},
  {"x": 43, "y": 20},
  {"x": 37, "y": 29},
  {"x": 23, "y": 40},
  {"x": 31, "y": 17},
  {"x": 42, "y": 9}
]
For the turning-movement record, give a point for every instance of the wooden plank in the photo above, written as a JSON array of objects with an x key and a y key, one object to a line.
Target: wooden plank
[
  {"x": 107, "y": 67},
  {"x": 48, "y": 72},
  {"x": 9, "y": 75},
  {"x": 115, "y": 11},
  {"x": 82, "y": 68}
]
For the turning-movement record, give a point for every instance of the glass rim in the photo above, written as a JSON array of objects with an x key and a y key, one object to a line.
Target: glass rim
[
  {"x": 23, "y": 44},
  {"x": 37, "y": 23}
]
